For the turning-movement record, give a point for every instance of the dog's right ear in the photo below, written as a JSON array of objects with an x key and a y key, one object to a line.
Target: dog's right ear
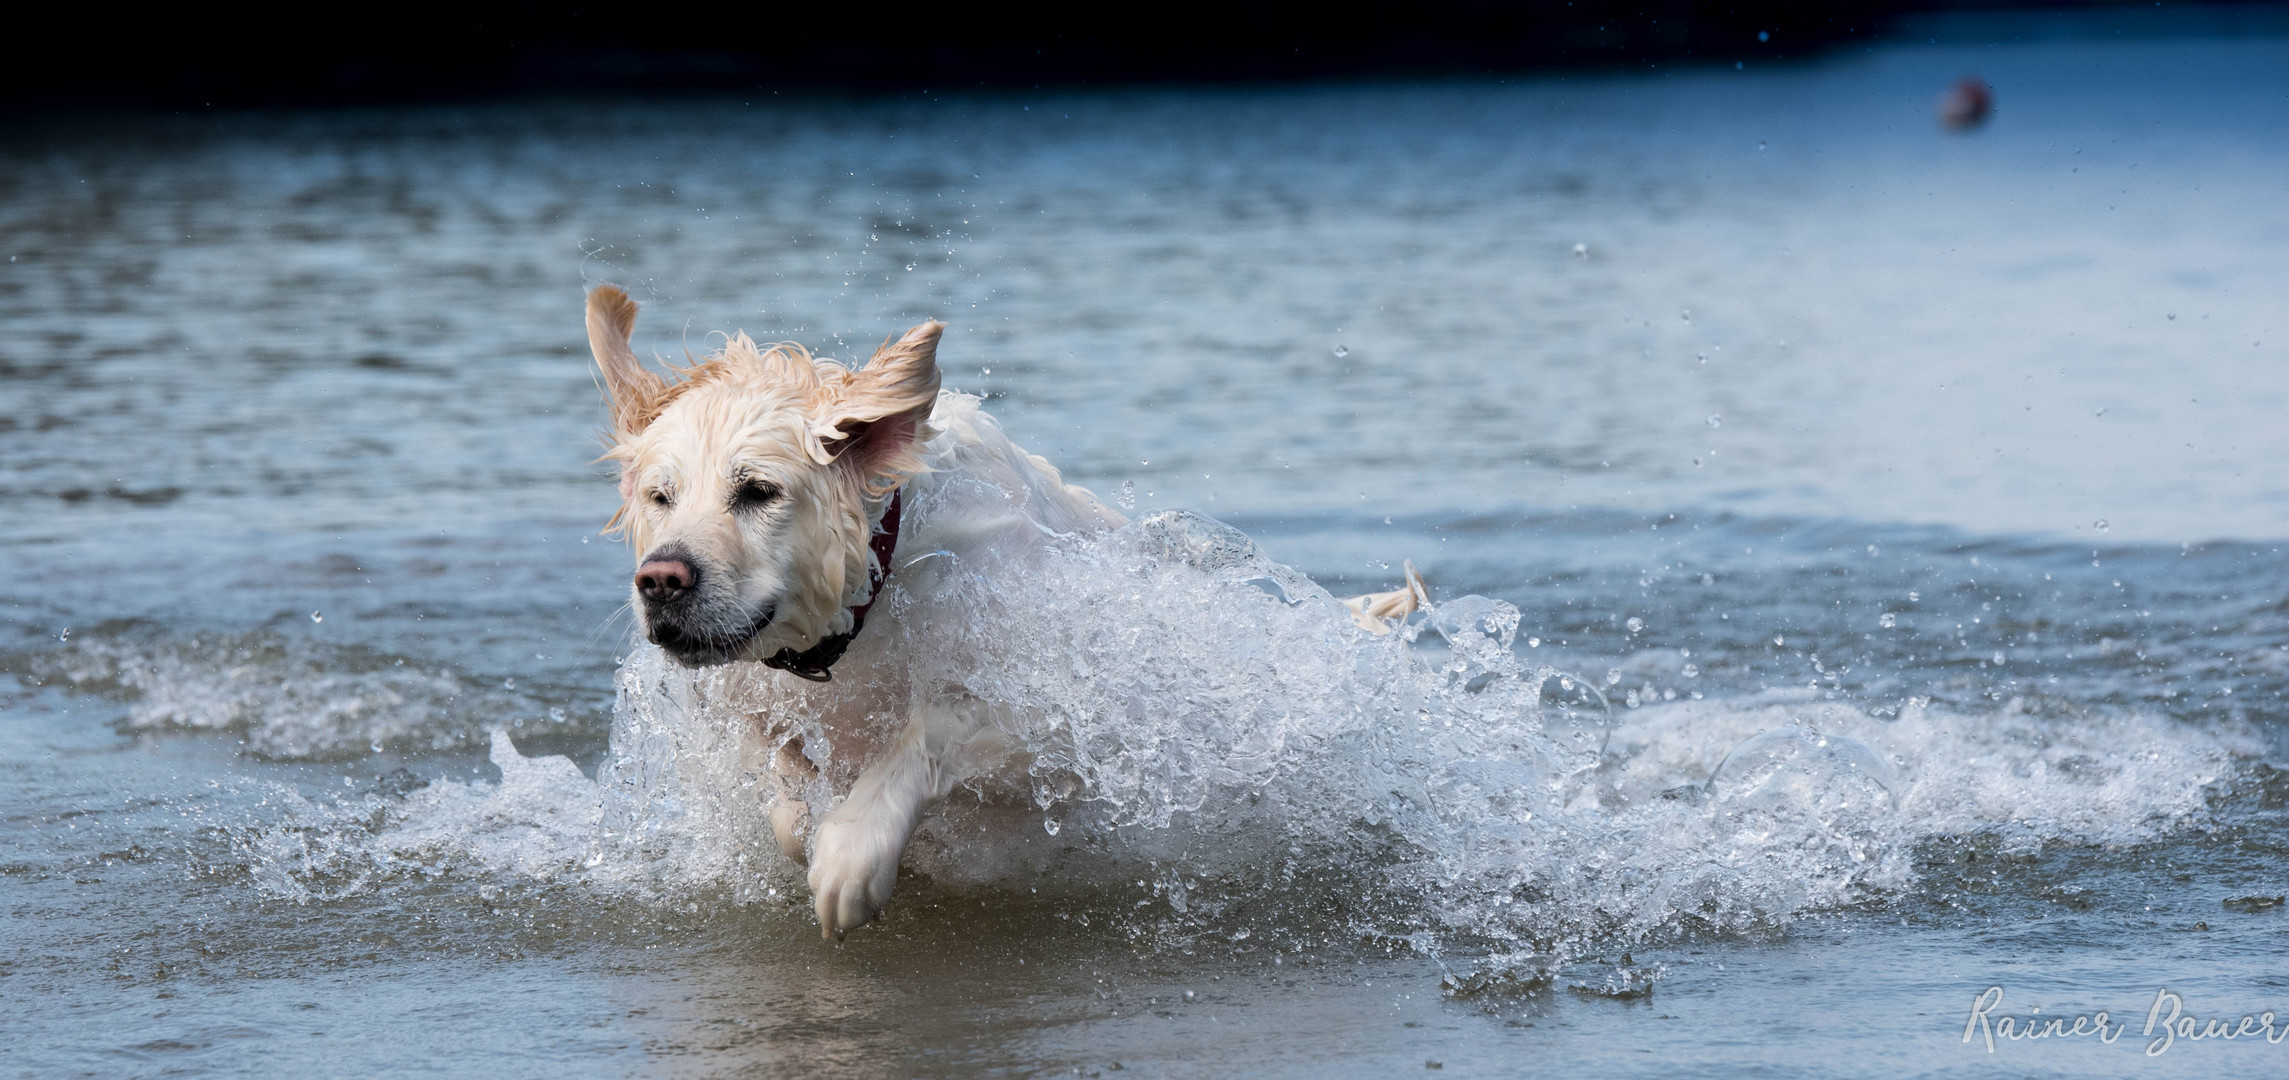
[
  {"x": 634, "y": 391},
  {"x": 879, "y": 419}
]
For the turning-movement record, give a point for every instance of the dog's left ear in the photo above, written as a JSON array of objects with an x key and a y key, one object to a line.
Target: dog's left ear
[
  {"x": 632, "y": 390},
  {"x": 877, "y": 420}
]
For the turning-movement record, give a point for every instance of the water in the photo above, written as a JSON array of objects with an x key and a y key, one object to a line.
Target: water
[{"x": 1908, "y": 499}]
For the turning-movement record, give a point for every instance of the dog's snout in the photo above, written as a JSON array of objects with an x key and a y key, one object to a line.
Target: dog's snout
[{"x": 661, "y": 580}]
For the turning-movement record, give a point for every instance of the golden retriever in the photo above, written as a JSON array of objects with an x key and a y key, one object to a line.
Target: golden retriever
[{"x": 768, "y": 495}]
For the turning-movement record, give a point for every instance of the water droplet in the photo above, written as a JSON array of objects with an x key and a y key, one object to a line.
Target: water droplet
[
  {"x": 1914, "y": 597},
  {"x": 1760, "y": 144},
  {"x": 1686, "y": 315},
  {"x": 1779, "y": 640},
  {"x": 1582, "y": 251},
  {"x": 2100, "y": 412},
  {"x": 66, "y": 635},
  {"x": 1887, "y": 620},
  {"x": 375, "y": 746},
  {"x": 1051, "y": 825},
  {"x": 1692, "y": 671},
  {"x": 1342, "y": 351},
  {"x": 1128, "y": 497},
  {"x": 1635, "y": 624},
  {"x": 1533, "y": 643},
  {"x": 909, "y": 266},
  {"x": 2101, "y": 525},
  {"x": 1716, "y": 420},
  {"x": 317, "y": 616}
]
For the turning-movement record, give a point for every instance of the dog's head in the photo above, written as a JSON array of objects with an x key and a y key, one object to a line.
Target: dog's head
[{"x": 746, "y": 483}]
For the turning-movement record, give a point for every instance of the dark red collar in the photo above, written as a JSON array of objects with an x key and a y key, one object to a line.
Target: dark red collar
[{"x": 816, "y": 663}]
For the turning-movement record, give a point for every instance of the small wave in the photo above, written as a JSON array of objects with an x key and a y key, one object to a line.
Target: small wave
[
  {"x": 539, "y": 823},
  {"x": 1207, "y": 726},
  {"x": 293, "y": 700}
]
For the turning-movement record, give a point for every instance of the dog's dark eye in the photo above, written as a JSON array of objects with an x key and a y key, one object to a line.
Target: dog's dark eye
[
  {"x": 663, "y": 499},
  {"x": 753, "y": 493}
]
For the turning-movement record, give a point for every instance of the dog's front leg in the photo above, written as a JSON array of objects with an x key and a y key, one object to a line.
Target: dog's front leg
[
  {"x": 791, "y": 811},
  {"x": 854, "y": 862}
]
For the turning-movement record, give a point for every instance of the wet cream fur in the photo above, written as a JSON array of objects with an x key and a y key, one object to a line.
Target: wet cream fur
[{"x": 835, "y": 443}]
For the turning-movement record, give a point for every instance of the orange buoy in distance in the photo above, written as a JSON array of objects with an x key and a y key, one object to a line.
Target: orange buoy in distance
[{"x": 1966, "y": 104}]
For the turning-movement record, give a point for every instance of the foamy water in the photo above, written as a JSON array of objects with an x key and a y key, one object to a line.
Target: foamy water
[{"x": 1187, "y": 724}]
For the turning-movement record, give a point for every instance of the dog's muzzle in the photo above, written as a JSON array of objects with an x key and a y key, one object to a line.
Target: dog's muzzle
[{"x": 680, "y": 618}]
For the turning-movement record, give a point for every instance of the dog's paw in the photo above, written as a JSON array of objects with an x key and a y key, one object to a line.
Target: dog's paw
[{"x": 853, "y": 868}]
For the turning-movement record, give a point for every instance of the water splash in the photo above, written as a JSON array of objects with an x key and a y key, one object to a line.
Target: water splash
[{"x": 1209, "y": 725}]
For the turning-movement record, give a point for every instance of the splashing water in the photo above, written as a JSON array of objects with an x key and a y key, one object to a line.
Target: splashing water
[{"x": 1209, "y": 724}]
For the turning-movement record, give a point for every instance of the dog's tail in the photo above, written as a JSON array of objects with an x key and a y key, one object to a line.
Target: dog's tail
[{"x": 1377, "y": 613}]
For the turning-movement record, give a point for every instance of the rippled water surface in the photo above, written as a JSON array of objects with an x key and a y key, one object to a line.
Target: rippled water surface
[{"x": 1912, "y": 504}]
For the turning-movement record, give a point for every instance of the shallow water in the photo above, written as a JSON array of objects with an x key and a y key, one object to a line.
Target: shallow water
[{"x": 1948, "y": 462}]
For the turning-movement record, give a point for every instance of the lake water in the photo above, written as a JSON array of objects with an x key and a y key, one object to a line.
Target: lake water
[{"x": 1933, "y": 478}]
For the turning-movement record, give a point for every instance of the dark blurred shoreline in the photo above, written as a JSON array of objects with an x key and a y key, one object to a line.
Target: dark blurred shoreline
[{"x": 198, "y": 61}]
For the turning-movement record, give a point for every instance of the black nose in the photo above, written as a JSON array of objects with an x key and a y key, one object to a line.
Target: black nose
[{"x": 661, "y": 580}]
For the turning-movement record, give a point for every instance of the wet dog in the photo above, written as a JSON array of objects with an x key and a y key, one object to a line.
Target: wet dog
[{"x": 768, "y": 496}]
